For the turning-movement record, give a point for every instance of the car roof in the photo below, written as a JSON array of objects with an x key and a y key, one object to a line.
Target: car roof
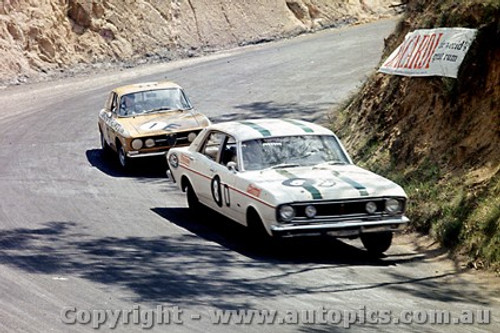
[
  {"x": 145, "y": 86},
  {"x": 268, "y": 127}
]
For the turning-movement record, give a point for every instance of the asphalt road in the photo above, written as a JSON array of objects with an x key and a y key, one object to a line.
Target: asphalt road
[{"x": 78, "y": 235}]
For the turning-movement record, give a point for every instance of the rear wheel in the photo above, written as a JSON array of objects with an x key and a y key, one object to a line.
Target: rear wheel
[
  {"x": 377, "y": 243},
  {"x": 104, "y": 145},
  {"x": 192, "y": 200},
  {"x": 122, "y": 157}
]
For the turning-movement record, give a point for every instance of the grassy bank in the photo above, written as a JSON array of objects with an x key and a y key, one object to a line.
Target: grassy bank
[{"x": 438, "y": 137}]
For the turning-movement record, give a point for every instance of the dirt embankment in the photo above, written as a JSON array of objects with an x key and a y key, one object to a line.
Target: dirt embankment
[
  {"x": 40, "y": 37},
  {"x": 439, "y": 137}
]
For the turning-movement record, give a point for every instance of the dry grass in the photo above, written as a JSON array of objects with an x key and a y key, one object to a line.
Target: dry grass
[{"x": 439, "y": 137}]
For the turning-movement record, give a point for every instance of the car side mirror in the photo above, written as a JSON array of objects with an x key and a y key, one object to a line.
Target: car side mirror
[
  {"x": 104, "y": 112},
  {"x": 107, "y": 113},
  {"x": 232, "y": 166}
]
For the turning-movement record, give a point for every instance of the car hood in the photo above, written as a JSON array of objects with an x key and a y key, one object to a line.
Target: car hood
[
  {"x": 163, "y": 122},
  {"x": 330, "y": 182}
]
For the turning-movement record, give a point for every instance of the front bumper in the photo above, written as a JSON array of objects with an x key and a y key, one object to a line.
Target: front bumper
[
  {"x": 136, "y": 154},
  {"x": 349, "y": 228}
]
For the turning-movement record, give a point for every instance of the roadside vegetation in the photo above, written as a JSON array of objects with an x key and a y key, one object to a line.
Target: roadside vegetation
[{"x": 439, "y": 137}]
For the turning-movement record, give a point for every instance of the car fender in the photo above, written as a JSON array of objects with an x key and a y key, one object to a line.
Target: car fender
[
  {"x": 266, "y": 214},
  {"x": 122, "y": 142}
]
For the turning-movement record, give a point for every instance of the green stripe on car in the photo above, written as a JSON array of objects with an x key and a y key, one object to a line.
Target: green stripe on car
[
  {"x": 362, "y": 189},
  {"x": 307, "y": 186},
  {"x": 305, "y": 128},
  {"x": 256, "y": 127}
]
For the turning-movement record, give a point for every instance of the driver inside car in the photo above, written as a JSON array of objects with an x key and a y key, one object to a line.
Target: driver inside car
[
  {"x": 252, "y": 154},
  {"x": 128, "y": 106}
]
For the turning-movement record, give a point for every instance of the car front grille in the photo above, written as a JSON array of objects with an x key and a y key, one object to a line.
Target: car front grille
[
  {"x": 341, "y": 210},
  {"x": 170, "y": 140}
]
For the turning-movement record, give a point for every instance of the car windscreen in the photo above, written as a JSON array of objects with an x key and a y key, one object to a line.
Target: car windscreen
[
  {"x": 160, "y": 100},
  {"x": 306, "y": 150}
]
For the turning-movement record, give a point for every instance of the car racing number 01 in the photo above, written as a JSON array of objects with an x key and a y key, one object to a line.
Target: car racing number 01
[{"x": 220, "y": 193}]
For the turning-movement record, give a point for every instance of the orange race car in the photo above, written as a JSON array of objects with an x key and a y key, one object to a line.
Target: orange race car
[{"x": 147, "y": 119}]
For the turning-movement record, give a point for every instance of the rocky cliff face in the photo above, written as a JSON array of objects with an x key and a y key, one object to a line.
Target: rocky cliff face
[
  {"x": 46, "y": 35},
  {"x": 439, "y": 137}
]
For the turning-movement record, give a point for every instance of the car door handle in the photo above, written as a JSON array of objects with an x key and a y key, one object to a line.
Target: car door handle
[{"x": 212, "y": 169}]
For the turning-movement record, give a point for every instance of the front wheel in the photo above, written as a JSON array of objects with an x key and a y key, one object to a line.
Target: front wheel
[
  {"x": 377, "y": 243},
  {"x": 122, "y": 157},
  {"x": 256, "y": 227}
]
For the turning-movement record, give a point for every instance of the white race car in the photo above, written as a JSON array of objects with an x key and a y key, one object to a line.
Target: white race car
[{"x": 285, "y": 177}]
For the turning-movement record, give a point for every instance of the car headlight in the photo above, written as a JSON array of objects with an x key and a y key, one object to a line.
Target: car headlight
[
  {"x": 192, "y": 136},
  {"x": 287, "y": 213},
  {"x": 137, "y": 144},
  {"x": 371, "y": 207},
  {"x": 310, "y": 211},
  {"x": 173, "y": 160},
  {"x": 392, "y": 206},
  {"x": 149, "y": 143}
]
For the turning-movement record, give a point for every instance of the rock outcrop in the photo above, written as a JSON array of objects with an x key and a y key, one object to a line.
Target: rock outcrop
[{"x": 40, "y": 36}]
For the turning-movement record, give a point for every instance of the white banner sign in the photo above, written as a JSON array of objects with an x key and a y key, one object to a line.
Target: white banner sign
[{"x": 429, "y": 52}]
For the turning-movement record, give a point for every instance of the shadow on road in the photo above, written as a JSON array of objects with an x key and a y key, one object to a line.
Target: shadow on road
[
  {"x": 233, "y": 236},
  {"x": 214, "y": 263},
  {"x": 270, "y": 109},
  {"x": 151, "y": 167}
]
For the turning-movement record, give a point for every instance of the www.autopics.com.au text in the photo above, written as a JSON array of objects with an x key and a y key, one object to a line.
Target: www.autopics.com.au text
[{"x": 161, "y": 315}]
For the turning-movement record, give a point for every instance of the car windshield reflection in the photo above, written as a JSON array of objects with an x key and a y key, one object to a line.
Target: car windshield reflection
[
  {"x": 152, "y": 101},
  {"x": 291, "y": 151}
]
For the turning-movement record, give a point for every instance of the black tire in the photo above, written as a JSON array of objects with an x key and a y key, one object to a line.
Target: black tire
[
  {"x": 104, "y": 145},
  {"x": 192, "y": 200},
  {"x": 377, "y": 243},
  {"x": 256, "y": 227},
  {"x": 122, "y": 158}
]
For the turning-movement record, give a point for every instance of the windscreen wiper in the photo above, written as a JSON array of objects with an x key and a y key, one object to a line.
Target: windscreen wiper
[{"x": 285, "y": 165}]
